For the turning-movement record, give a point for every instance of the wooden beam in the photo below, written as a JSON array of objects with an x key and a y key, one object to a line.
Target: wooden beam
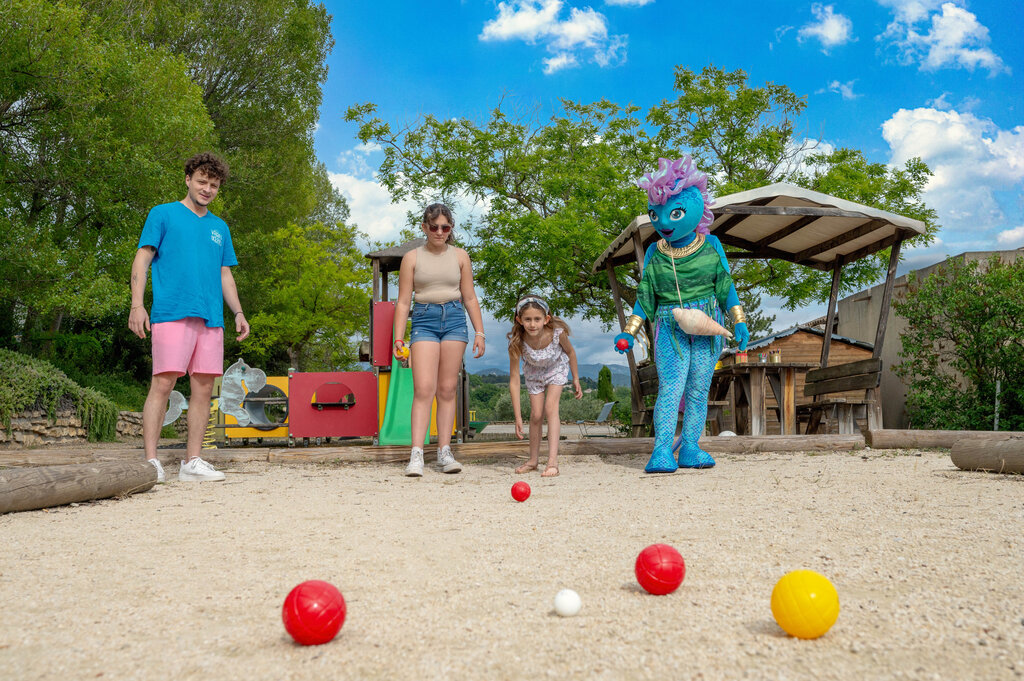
[
  {"x": 933, "y": 439},
  {"x": 787, "y": 230},
  {"x": 25, "y": 489},
  {"x": 729, "y": 223},
  {"x": 789, "y": 211},
  {"x": 840, "y": 385},
  {"x": 883, "y": 314},
  {"x": 994, "y": 457},
  {"x": 635, "y": 399},
  {"x": 376, "y": 280},
  {"x": 845, "y": 237},
  {"x": 873, "y": 248},
  {"x": 830, "y": 317},
  {"x": 863, "y": 366}
]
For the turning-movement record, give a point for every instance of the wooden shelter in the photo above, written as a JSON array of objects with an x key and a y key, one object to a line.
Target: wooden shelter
[
  {"x": 390, "y": 260},
  {"x": 780, "y": 221}
]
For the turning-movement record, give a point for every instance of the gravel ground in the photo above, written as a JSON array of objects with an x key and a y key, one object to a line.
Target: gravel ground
[{"x": 446, "y": 577}]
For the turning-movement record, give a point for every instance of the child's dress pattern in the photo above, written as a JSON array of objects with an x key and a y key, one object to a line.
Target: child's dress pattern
[{"x": 547, "y": 366}]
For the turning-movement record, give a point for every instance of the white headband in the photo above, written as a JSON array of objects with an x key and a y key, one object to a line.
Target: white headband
[{"x": 531, "y": 299}]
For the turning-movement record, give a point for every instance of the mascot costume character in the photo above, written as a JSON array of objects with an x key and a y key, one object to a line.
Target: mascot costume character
[{"x": 685, "y": 289}]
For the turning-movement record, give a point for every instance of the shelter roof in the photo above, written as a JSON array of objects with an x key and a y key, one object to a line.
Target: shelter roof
[
  {"x": 787, "y": 222},
  {"x": 390, "y": 259},
  {"x": 768, "y": 340}
]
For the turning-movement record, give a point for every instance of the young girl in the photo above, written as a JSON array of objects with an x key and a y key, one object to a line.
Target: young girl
[{"x": 542, "y": 343}]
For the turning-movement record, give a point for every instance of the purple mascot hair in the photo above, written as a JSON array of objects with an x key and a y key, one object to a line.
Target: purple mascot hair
[{"x": 671, "y": 178}]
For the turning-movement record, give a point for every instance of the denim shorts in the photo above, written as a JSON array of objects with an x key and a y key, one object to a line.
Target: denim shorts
[{"x": 438, "y": 322}]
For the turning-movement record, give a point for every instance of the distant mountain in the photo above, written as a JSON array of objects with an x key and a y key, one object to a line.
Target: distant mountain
[{"x": 620, "y": 372}]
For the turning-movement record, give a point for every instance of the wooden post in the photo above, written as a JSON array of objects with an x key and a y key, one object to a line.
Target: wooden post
[
  {"x": 25, "y": 489},
  {"x": 757, "y": 426},
  {"x": 875, "y": 408},
  {"x": 376, "y": 280},
  {"x": 830, "y": 318},
  {"x": 1006, "y": 456}
]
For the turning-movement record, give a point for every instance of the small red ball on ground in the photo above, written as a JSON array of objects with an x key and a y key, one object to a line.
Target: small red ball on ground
[
  {"x": 660, "y": 569},
  {"x": 313, "y": 612},
  {"x": 520, "y": 491}
]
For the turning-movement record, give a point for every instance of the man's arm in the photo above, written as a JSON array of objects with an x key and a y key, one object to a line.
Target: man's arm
[
  {"x": 138, "y": 318},
  {"x": 227, "y": 284}
]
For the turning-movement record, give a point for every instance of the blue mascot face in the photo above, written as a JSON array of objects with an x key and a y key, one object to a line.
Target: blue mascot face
[{"x": 680, "y": 216}]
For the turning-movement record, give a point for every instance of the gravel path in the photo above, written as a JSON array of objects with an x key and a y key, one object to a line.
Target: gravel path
[{"x": 446, "y": 577}]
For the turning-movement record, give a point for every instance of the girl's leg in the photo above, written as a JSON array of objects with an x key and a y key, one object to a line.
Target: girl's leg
[
  {"x": 449, "y": 364},
  {"x": 551, "y": 398},
  {"x": 536, "y": 426},
  {"x": 704, "y": 351},
  {"x": 424, "y": 359},
  {"x": 672, "y": 370}
]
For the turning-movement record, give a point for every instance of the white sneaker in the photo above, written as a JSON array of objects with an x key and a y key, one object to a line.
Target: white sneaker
[
  {"x": 446, "y": 460},
  {"x": 160, "y": 477},
  {"x": 198, "y": 470},
  {"x": 415, "y": 467}
]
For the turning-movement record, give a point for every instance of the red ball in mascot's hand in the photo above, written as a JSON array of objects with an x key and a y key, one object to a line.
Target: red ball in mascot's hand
[
  {"x": 660, "y": 569},
  {"x": 520, "y": 491},
  {"x": 622, "y": 344},
  {"x": 313, "y": 612}
]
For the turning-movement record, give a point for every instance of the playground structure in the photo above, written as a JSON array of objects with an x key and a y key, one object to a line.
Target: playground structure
[
  {"x": 313, "y": 407},
  {"x": 786, "y": 222}
]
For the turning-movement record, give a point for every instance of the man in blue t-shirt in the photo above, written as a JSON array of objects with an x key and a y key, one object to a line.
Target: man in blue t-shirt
[{"x": 191, "y": 254}]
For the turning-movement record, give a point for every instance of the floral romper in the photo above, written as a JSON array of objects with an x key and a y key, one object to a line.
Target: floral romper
[{"x": 547, "y": 366}]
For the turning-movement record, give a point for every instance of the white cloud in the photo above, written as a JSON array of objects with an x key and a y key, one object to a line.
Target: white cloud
[
  {"x": 952, "y": 36},
  {"x": 584, "y": 32},
  {"x": 971, "y": 158},
  {"x": 371, "y": 207},
  {"x": 830, "y": 29},
  {"x": 560, "y": 61},
  {"x": 1011, "y": 238},
  {"x": 843, "y": 89}
]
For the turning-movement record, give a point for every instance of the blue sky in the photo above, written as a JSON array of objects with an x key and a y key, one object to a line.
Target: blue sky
[{"x": 893, "y": 78}]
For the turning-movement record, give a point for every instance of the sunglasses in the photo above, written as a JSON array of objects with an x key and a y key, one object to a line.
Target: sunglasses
[{"x": 444, "y": 228}]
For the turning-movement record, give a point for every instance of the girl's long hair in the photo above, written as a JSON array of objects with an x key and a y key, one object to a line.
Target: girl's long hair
[
  {"x": 515, "y": 336},
  {"x": 436, "y": 210}
]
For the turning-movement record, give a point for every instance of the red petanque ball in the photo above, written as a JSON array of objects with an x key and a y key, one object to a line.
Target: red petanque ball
[
  {"x": 520, "y": 491},
  {"x": 660, "y": 569},
  {"x": 313, "y": 612},
  {"x": 622, "y": 344}
]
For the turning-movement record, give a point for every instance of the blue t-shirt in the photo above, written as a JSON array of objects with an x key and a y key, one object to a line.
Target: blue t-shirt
[{"x": 190, "y": 250}]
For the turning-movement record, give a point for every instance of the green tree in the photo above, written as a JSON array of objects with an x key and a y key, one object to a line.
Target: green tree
[
  {"x": 965, "y": 333},
  {"x": 605, "y": 390},
  {"x": 314, "y": 300},
  {"x": 559, "y": 191}
]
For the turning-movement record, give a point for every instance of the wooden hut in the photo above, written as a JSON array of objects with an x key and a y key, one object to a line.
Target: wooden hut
[{"x": 779, "y": 221}]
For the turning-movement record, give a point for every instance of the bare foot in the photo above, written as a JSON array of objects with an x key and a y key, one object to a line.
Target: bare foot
[
  {"x": 547, "y": 472},
  {"x": 526, "y": 468}
]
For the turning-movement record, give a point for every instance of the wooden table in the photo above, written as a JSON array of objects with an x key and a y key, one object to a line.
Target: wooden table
[{"x": 749, "y": 398}]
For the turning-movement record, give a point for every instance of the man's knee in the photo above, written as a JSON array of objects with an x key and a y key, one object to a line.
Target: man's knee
[{"x": 162, "y": 385}]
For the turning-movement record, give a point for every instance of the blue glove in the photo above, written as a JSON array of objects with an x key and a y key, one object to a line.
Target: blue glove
[
  {"x": 629, "y": 343},
  {"x": 741, "y": 334}
]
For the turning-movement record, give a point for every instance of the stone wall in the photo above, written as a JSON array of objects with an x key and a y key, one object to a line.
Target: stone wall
[{"x": 34, "y": 428}]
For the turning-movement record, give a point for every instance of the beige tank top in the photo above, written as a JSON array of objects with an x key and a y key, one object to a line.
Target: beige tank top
[{"x": 436, "y": 278}]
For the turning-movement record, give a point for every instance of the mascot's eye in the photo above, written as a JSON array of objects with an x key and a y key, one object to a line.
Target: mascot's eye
[
  {"x": 652, "y": 215},
  {"x": 677, "y": 213}
]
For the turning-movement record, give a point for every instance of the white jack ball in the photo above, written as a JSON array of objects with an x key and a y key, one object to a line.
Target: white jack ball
[{"x": 567, "y": 603}]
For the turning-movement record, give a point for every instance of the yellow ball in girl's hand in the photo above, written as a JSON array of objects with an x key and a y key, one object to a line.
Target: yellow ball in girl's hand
[{"x": 805, "y": 604}]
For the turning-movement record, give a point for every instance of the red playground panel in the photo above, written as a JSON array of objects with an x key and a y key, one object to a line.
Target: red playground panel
[
  {"x": 382, "y": 325},
  {"x": 332, "y": 404}
]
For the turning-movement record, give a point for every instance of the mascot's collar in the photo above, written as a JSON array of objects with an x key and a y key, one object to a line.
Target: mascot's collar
[{"x": 688, "y": 249}]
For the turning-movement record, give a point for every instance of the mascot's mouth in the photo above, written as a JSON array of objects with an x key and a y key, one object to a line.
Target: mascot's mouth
[{"x": 667, "y": 232}]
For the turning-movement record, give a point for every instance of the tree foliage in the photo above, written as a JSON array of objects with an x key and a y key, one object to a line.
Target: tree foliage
[
  {"x": 605, "y": 390},
  {"x": 556, "y": 192},
  {"x": 965, "y": 333}
]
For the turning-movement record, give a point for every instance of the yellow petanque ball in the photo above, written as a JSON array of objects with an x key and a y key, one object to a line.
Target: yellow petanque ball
[{"x": 805, "y": 604}]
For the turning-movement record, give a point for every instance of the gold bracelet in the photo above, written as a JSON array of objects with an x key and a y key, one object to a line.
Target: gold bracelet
[
  {"x": 135, "y": 306},
  {"x": 737, "y": 314},
  {"x": 633, "y": 324}
]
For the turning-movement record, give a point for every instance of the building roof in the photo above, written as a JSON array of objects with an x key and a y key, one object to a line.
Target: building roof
[
  {"x": 768, "y": 340},
  {"x": 391, "y": 258},
  {"x": 786, "y": 222}
]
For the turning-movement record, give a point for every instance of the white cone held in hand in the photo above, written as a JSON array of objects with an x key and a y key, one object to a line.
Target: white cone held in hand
[{"x": 696, "y": 323}]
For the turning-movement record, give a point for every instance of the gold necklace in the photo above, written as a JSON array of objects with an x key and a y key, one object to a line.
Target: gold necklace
[{"x": 689, "y": 249}]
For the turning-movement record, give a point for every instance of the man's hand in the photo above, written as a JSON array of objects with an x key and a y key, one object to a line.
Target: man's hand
[
  {"x": 241, "y": 326},
  {"x": 138, "y": 321}
]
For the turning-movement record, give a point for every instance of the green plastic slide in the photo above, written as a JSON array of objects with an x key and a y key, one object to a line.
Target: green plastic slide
[{"x": 397, "y": 426}]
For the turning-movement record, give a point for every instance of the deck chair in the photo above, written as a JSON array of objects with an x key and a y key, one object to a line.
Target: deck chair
[{"x": 606, "y": 410}]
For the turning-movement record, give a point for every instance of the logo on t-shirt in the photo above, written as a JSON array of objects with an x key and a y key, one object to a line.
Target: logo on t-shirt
[{"x": 216, "y": 237}]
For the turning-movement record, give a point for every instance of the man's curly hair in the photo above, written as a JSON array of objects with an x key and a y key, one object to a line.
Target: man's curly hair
[{"x": 209, "y": 164}]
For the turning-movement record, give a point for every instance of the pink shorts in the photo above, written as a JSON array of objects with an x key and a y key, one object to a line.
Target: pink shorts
[{"x": 188, "y": 345}]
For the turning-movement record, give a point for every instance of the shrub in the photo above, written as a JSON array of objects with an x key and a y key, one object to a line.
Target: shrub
[{"x": 27, "y": 383}]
